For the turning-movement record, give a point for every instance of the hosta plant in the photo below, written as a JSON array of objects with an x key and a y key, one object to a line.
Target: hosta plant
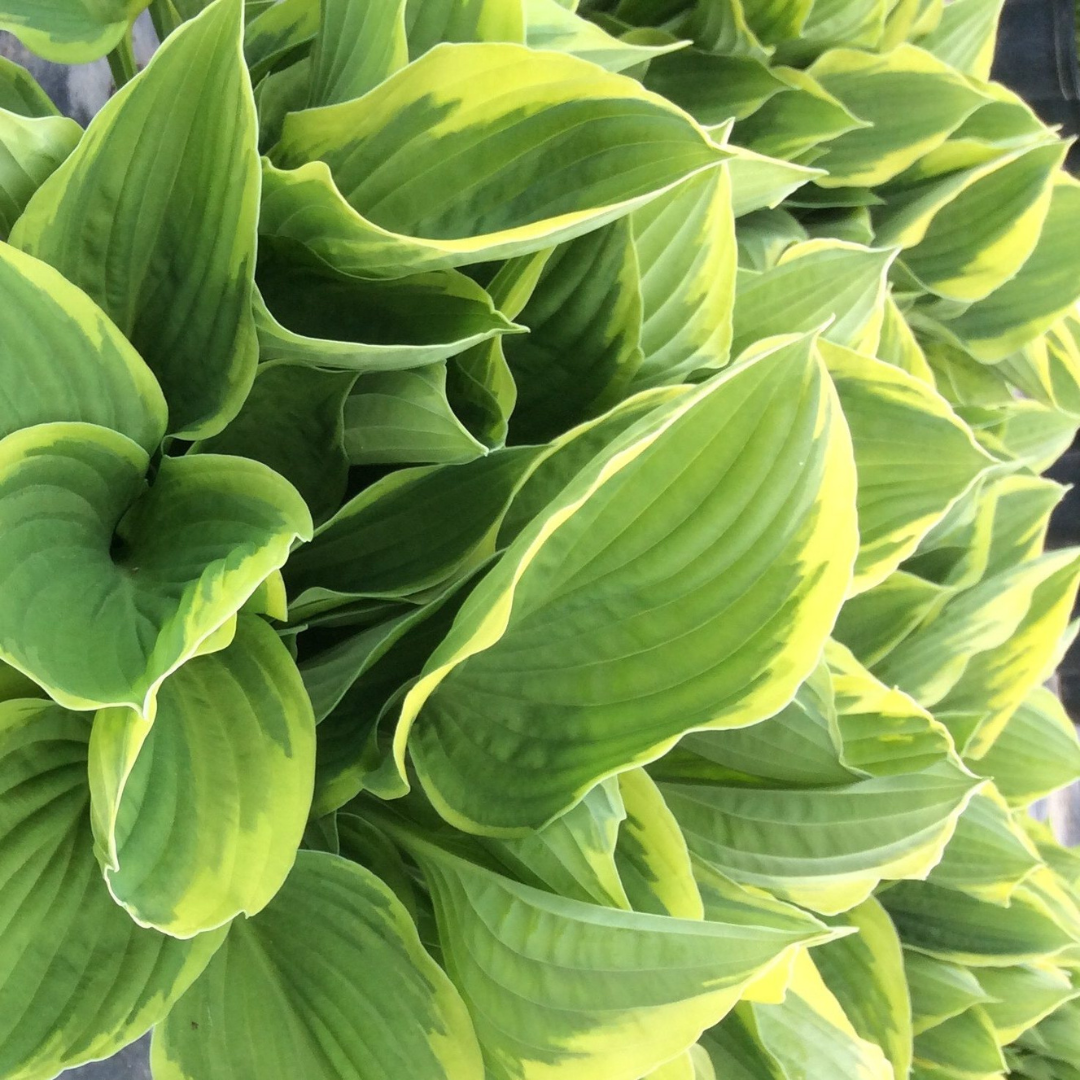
[{"x": 522, "y": 545}]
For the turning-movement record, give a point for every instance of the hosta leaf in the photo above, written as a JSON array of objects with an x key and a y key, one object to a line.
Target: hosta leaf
[
  {"x": 434, "y": 123},
  {"x": 823, "y": 848},
  {"x": 652, "y": 857},
  {"x": 865, "y": 972},
  {"x": 684, "y": 242},
  {"x": 965, "y": 1045},
  {"x": 283, "y": 32},
  {"x": 633, "y": 991},
  {"x": 78, "y": 979},
  {"x": 930, "y": 662},
  {"x": 351, "y": 685},
  {"x": 293, "y": 421},
  {"x": 323, "y": 318},
  {"x": 798, "y": 747},
  {"x": 721, "y": 26},
  {"x": 980, "y": 238},
  {"x": 900, "y": 347},
  {"x": 711, "y": 88},
  {"x": 541, "y": 636},
  {"x": 765, "y": 235},
  {"x": 964, "y": 38},
  {"x": 549, "y": 25},
  {"x": 996, "y": 680},
  {"x": 913, "y": 455},
  {"x": 804, "y": 117},
  {"x": 584, "y": 342},
  {"x": 759, "y": 181},
  {"x": 396, "y": 417},
  {"x": 413, "y": 530},
  {"x": 836, "y": 22},
  {"x": 20, "y": 92},
  {"x": 819, "y": 283},
  {"x": 430, "y": 22},
  {"x": 940, "y": 990},
  {"x": 988, "y": 855},
  {"x": 1043, "y": 289},
  {"x": 1035, "y": 753},
  {"x": 936, "y": 100},
  {"x": 884, "y": 732},
  {"x": 808, "y": 1033},
  {"x": 163, "y": 236},
  {"x": 61, "y": 358},
  {"x": 31, "y": 148},
  {"x": 1025, "y": 994},
  {"x": 69, "y": 31},
  {"x": 479, "y": 384},
  {"x": 335, "y": 981},
  {"x": 221, "y": 781},
  {"x": 357, "y": 46},
  {"x": 575, "y": 855},
  {"x": 954, "y": 926},
  {"x": 1056, "y": 1036},
  {"x": 874, "y": 622},
  {"x": 144, "y": 576}
]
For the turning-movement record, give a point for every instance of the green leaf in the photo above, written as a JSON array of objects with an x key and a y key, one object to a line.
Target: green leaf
[
  {"x": 808, "y": 1033},
  {"x": 333, "y": 978},
  {"x": 804, "y": 118},
  {"x": 965, "y": 36},
  {"x": 823, "y": 848},
  {"x": 221, "y": 781},
  {"x": 293, "y": 422},
  {"x": 431, "y": 22},
  {"x": 31, "y": 148},
  {"x": 684, "y": 243},
  {"x": 1041, "y": 291},
  {"x": 857, "y": 23},
  {"x": 722, "y": 26},
  {"x": 576, "y": 854},
  {"x": 965, "y": 1044},
  {"x": 954, "y": 926},
  {"x": 873, "y": 623},
  {"x": 63, "y": 358},
  {"x": 280, "y": 34},
  {"x": 940, "y": 990},
  {"x": 20, "y": 92},
  {"x": 652, "y": 857},
  {"x": 584, "y": 343},
  {"x": 996, "y": 680},
  {"x": 798, "y": 747},
  {"x": 936, "y": 100},
  {"x": 161, "y": 235},
  {"x": 544, "y": 637},
  {"x": 931, "y": 662},
  {"x": 1056, "y": 1036},
  {"x": 144, "y": 576},
  {"x": 356, "y": 48},
  {"x": 1035, "y": 753},
  {"x": 712, "y": 88},
  {"x": 413, "y": 530},
  {"x": 865, "y": 972},
  {"x": 913, "y": 454},
  {"x": 819, "y": 283},
  {"x": 758, "y": 181},
  {"x": 982, "y": 236},
  {"x": 549, "y": 25},
  {"x": 435, "y": 124},
  {"x": 634, "y": 991},
  {"x": 1025, "y": 994},
  {"x": 404, "y": 417},
  {"x": 69, "y": 31},
  {"x": 78, "y": 979},
  {"x": 988, "y": 855},
  {"x": 323, "y": 318}
]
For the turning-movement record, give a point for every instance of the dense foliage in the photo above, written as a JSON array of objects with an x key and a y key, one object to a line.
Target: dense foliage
[{"x": 539, "y": 575}]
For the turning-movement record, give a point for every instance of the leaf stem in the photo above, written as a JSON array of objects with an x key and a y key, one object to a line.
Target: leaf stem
[{"x": 122, "y": 61}]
